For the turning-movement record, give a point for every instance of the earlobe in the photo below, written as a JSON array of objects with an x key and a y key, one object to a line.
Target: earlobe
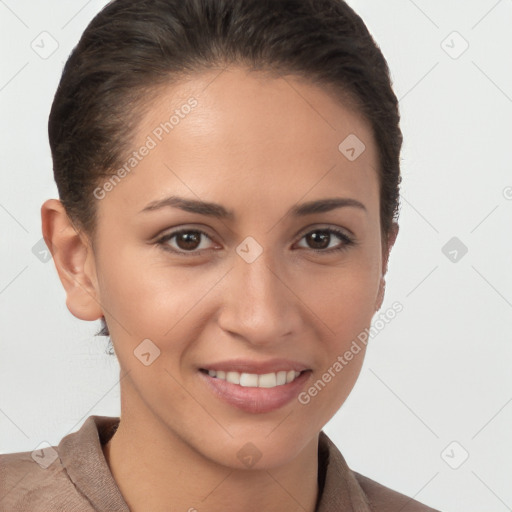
[{"x": 74, "y": 261}]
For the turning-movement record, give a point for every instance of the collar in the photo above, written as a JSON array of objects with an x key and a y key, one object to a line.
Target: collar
[{"x": 82, "y": 456}]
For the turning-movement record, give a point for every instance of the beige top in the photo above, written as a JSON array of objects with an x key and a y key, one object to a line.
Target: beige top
[{"x": 75, "y": 477}]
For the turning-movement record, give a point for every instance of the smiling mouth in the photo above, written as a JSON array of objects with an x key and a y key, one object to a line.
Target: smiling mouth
[{"x": 255, "y": 380}]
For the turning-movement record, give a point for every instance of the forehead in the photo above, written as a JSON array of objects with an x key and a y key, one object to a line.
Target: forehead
[{"x": 244, "y": 136}]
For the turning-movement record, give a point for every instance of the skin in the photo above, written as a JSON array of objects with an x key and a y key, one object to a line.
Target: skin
[{"x": 256, "y": 145}]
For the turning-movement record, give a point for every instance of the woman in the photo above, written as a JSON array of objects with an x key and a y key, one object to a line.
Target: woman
[{"x": 228, "y": 174}]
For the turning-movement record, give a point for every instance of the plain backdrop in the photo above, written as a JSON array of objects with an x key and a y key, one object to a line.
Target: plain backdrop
[{"x": 431, "y": 413}]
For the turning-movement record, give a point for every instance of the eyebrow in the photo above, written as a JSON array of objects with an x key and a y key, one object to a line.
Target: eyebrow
[{"x": 218, "y": 211}]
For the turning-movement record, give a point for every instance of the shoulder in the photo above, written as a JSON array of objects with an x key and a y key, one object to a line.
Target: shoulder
[
  {"x": 345, "y": 489},
  {"x": 385, "y": 499},
  {"x": 37, "y": 481},
  {"x": 70, "y": 477}
]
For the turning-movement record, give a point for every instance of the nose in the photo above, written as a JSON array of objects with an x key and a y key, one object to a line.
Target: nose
[{"x": 259, "y": 302}]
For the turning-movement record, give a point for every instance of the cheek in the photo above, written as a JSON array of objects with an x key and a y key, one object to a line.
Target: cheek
[
  {"x": 347, "y": 310},
  {"x": 346, "y": 304},
  {"x": 147, "y": 299},
  {"x": 344, "y": 298}
]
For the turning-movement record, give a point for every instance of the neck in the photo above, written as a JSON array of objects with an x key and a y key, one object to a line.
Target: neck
[{"x": 157, "y": 471}]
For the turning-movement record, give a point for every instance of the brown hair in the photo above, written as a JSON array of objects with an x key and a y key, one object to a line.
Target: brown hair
[{"x": 132, "y": 47}]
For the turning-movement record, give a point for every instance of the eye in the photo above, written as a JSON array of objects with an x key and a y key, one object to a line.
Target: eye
[
  {"x": 322, "y": 237},
  {"x": 188, "y": 241}
]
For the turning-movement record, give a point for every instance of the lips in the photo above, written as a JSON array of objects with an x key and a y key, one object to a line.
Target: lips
[{"x": 256, "y": 387}]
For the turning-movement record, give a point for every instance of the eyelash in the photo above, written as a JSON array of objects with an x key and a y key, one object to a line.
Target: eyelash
[{"x": 347, "y": 241}]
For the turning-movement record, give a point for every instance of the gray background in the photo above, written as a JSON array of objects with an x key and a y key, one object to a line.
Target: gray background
[{"x": 436, "y": 383}]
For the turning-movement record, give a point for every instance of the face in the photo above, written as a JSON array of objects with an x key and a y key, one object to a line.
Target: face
[{"x": 256, "y": 282}]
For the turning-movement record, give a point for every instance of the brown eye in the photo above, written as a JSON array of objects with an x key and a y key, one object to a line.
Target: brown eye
[
  {"x": 187, "y": 241},
  {"x": 319, "y": 240}
]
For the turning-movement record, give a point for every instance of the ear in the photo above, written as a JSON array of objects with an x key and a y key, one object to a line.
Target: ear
[
  {"x": 74, "y": 260},
  {"x": 386, "y": 249}
]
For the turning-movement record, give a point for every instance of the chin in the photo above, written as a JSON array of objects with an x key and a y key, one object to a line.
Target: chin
[{"x": 258, "y": 450}]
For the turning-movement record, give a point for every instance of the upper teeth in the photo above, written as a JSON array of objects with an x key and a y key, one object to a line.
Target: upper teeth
[{"x": 267, "y": 380}]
